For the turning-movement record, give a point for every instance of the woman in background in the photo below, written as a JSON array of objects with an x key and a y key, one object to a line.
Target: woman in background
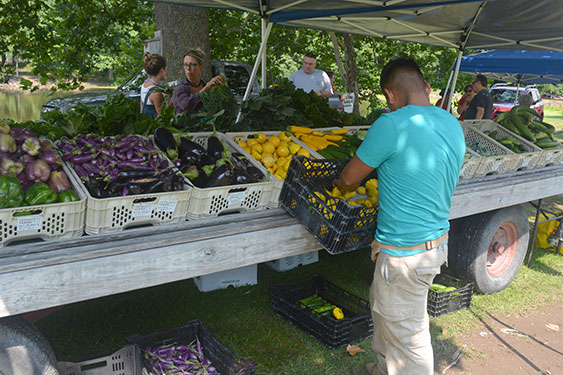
[
  {"x": 464, "y": 101},
  {"x": 151, "y": 101},
  {"x": 186, "y": 93}
]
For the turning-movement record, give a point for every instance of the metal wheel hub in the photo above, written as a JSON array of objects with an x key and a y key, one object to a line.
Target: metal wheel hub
[{"x": 502, "y": 249}]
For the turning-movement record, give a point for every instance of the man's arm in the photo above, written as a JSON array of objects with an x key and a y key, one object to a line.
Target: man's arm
[
  {"x": 479, "y": 114},
  {"x": 353, "y": 174}
]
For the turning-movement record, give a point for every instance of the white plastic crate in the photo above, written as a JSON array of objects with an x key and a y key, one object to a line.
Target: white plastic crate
[
  {"x": 47, "y": 222},
  {"x": 221, "y": 280},
  {"x": 527, "y": 160},
  {"x": 213, "y": 201},
  {"x": 470, "y": 166},
  {"x": 277, "y": 183},
  {"x": 119, "y": 213},
  {"x": 125, "y": 361},
  {"x": 552, "y": 157},
  {"x": 289, "y": 263},
  {"x": 501, "y": 158}
]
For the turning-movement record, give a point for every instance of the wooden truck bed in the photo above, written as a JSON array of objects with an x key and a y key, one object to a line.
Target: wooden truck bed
[{"x": 41, "y": 275}]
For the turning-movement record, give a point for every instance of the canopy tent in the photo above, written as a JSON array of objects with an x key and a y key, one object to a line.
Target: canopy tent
[
  {"x": 461, "y": 24},
  {"x": 520, "y": 67}
]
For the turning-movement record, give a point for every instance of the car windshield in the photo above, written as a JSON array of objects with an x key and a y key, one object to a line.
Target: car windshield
[
  {"x": 134, "y": 82},
  {"x": 504, "y": 95}
]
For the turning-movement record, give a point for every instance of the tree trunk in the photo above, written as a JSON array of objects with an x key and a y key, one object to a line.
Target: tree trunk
[
  {"x": 337, "y": 56},
  {"x": 351, "y": 70},
  {"x": 182, "y": 28}
]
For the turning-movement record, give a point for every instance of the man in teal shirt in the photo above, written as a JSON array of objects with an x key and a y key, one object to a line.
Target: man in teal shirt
[{"x": 418, "y": 151}]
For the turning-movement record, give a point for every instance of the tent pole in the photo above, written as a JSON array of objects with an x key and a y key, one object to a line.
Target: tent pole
[
  {"x": 263, "y": 31},
  {"x": 449, "y": 82},
  {"x": 457, "y": 66},
  {"x": 261, "y": 51}
]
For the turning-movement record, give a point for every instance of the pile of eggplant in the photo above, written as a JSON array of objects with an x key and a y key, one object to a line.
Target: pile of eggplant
[
  {"x": 178, "y": 359},
  {"x": 216, "y": 166},
  {"x": 119, "y": 166}
]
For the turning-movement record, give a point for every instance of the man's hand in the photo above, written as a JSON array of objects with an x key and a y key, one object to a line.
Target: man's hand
[{"x": 352, "y": 175}]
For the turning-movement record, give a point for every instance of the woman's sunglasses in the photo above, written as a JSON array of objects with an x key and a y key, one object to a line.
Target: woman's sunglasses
[{"x": 468, "y": 91}]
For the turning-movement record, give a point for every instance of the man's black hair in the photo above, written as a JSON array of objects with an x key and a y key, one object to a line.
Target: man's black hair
[
  {"x": 311, "y": 55},
  {"x": 481, "y": 78},
  {"x": 400, "y": 64}
]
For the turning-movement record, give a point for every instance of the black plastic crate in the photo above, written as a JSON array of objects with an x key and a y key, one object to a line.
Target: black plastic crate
[
  {"x": 337, "y": 226},
  {"x": 222, "y": 358},
  {"x": 356, "y": 324},
  {"x": 443, "y": 303}
]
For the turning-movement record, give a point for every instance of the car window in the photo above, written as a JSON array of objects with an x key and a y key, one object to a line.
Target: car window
[
  {"x": 237, "y": 78},
  {"x": 504, "y": 96},
  {"x": 134, "y": 82}
]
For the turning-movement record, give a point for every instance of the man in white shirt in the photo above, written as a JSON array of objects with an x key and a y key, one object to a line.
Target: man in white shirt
[{"x": 311, "y": 79}]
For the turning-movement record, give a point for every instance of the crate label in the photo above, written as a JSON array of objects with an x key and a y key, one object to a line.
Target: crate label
[
  {"x": 141, "y": 209},
  {"x": 236, "y": 198},
  {"x": 29, "y": 223},
  {"x": 165, "y": 205}
]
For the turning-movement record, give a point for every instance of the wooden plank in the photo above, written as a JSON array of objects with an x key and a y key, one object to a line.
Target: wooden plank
[
  {"x": 38, "y": 288},
  {"x": 483, "y": 200},
  {"x": 128, "y": 245}
]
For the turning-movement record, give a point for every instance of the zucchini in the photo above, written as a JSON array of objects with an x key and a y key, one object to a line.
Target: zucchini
[
  {"x": 522, "y": 124},
  {"x": 547, "y": 143},
  {"x": 507, "y": 123},
  {"x": 503, "y": 116}
]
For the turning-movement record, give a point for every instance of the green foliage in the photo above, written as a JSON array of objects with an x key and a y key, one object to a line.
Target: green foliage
[
  {"x": 67, "y": 40},
  {"x": 281, "y": 105},
  {"x": 552, "y": 89},
  {"x": 219, "y": 98}
]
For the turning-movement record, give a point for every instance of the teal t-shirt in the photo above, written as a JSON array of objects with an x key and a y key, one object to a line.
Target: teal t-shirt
[{"x": 418, "y": 152}]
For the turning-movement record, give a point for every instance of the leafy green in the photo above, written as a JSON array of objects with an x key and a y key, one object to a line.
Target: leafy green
[
  {"x": 281, "y": 105},
  {"x": 219, "y": 98}
]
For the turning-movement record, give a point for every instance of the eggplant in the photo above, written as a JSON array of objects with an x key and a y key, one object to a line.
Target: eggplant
[
  {"x": 191, "y": 159},
  {"x": 197, "y": 176},
  {"x": 164, "y": 140},
  {"x": 221, "y": 176},
  {"x": 255, "y": 172},
  {"x": 241, "y": 177},
  {"x": 214, "y": 148},
  {"x": 190, "y": 147}
]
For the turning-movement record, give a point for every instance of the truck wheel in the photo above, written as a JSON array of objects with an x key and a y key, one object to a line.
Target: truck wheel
[
  {"x": 24, "y": 350},
  {"x": 489, "y": 248}
]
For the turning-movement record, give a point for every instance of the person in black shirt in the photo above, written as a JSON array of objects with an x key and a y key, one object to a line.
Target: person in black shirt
[{"x": 481, "y": 107}]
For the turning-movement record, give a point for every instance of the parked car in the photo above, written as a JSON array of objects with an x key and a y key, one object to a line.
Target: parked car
[
  {"x": 237, "y": 75},
  {"x": 551, "y": 96},
  {"x": 505, "y": 97}
]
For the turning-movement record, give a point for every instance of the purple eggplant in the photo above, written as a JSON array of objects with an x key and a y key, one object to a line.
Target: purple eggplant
[
  {"x": 26, "y": 159},
  {"x": 10, "y": 167},
  {"x": 50, "y": 156},
  {"x": 7, "y": 143},
  {"x": 31, "y": 146},
  {"x": 58, "y": 181},
  {"x": 46, "y": 145},
  {"x": 38, "y": 171},
  {"x": 21, "y": 134}
]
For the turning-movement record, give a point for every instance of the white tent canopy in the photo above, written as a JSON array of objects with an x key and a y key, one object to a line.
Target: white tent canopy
[{"x": 460, "y": 24}]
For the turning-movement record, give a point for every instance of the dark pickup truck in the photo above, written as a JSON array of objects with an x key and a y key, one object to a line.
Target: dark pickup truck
[{"x": 237, "y": 75}]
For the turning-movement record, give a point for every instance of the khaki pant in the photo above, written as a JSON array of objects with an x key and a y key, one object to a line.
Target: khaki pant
[{"x": 398, "y": 299}]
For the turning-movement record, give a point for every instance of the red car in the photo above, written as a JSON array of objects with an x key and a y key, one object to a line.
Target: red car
[{"x": 504, "y": 98}]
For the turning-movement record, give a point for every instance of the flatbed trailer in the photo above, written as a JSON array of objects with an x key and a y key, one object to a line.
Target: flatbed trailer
[{"x": 38, "y": 276}]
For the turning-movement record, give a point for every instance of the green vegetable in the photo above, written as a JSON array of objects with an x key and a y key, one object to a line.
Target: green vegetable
[
  {"x": 67, "y": 196},
  {"x": 217, "y": 98},
  {"x": 11, "y": 194},
  {"x": 40, "y": 193}
]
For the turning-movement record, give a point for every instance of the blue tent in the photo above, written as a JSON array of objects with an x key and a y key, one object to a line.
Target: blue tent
[{"x": 524, "y": 67}]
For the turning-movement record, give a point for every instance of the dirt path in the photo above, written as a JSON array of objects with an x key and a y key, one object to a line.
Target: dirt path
[{"x": 513, "y": 345}]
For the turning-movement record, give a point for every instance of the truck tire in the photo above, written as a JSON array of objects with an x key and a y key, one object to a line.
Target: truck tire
[
  {"x": 24, "y": 350},
  {"x": 488, "y": 249}
]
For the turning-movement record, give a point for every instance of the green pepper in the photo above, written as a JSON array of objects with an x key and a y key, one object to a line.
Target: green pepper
[
  {"x": 67, "y": 196},
  {"x": 40, "y": 193},
  {"x": 11, "y": 193}
]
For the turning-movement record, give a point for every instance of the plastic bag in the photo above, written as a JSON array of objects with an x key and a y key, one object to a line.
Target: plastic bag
[{"x": 546, "y": 237}]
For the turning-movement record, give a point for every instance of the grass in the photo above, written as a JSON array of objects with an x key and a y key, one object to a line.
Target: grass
[
  {"x": 554, "y": 116},
  {"x": 243, "y": 320}
]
